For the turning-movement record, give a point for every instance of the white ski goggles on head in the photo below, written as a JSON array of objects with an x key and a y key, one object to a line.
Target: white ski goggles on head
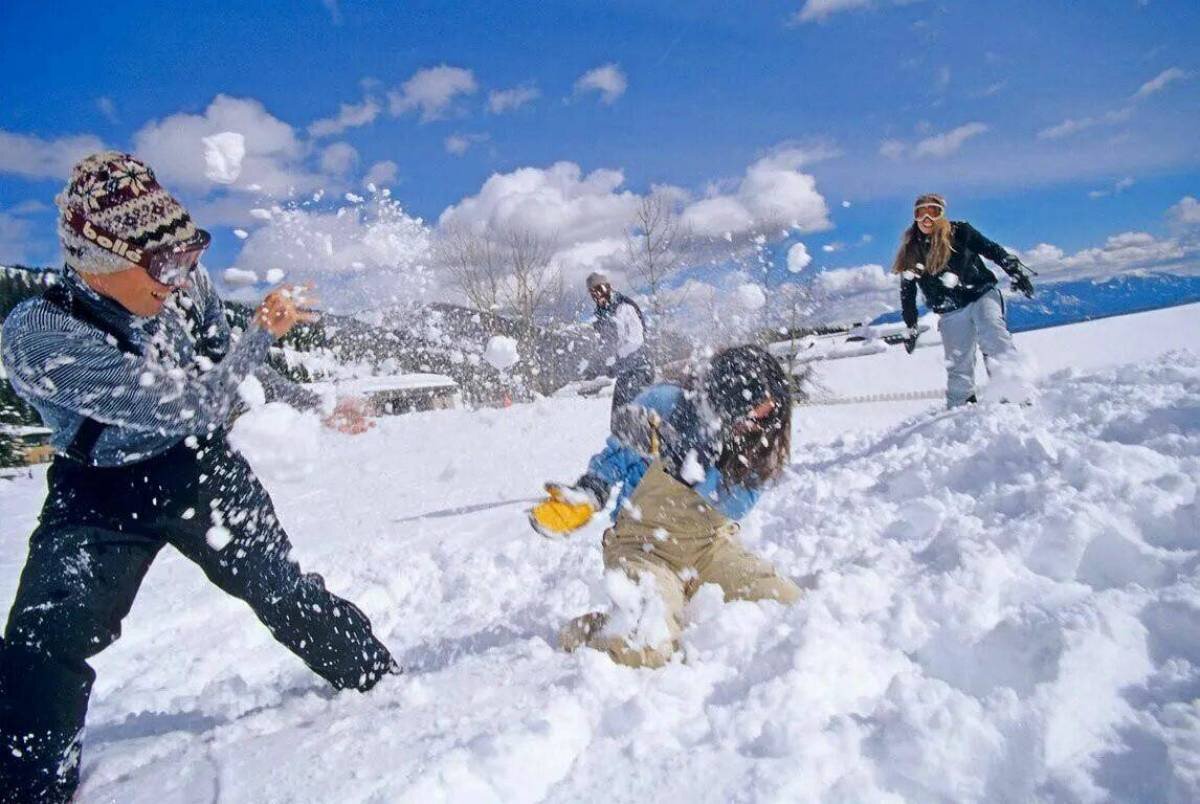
[{"x": 931, "y": 210}]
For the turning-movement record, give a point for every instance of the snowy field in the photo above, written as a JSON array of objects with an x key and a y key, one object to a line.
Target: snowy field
[{"x": 1006, "y": 608}]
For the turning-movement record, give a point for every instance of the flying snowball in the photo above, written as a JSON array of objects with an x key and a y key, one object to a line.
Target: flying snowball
[
  {"x": 223, "y": 155},
  {"x": 950, "y": 280},
  {"x": 502, "y": 352},
  {"x": 798, "y": 258}
]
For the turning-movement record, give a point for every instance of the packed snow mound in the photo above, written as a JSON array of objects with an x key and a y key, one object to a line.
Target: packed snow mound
[{"x": 1003, "y": 605}]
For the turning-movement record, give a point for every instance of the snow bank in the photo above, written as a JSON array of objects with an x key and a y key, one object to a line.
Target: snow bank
[{"x": 1003, "y": 605}]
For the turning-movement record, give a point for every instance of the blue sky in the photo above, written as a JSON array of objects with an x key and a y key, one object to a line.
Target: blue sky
[{"x": 1053, "y": 123}]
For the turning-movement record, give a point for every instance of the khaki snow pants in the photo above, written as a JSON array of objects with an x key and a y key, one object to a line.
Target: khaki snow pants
[{"x": 671, "y": 533}]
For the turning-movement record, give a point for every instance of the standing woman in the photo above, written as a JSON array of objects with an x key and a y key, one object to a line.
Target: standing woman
[
  {"x": 690, "y": 464},
  {"x": 942, "y": 257}
]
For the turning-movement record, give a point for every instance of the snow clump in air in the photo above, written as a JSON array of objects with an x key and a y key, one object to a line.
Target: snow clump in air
[
  {"x": 502, "y": 352},
  {"x": 751, "y": 296},
  {"x": 223, "y": 154}
]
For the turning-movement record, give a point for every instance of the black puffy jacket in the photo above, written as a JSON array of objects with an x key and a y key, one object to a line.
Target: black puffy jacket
[{"x": 971, "y": 278}]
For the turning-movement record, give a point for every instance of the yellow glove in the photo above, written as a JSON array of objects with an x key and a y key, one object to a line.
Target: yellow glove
[{"x": 561, "y": 514}]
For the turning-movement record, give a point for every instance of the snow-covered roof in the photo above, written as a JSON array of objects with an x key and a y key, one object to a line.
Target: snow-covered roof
[{"x": 387, "y": 382}]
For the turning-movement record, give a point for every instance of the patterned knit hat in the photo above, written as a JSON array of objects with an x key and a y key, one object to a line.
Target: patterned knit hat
[{"x": 119, "y": 193}]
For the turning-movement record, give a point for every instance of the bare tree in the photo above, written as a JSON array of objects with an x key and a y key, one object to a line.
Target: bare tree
[
  {"x": 655, "y": 244},
  {"x": 533, "y": 284},
  {"x": 474, "y": 264}
]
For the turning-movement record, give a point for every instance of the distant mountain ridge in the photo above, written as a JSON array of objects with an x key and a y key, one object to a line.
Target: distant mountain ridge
[{"x": 1060, "y": 303}]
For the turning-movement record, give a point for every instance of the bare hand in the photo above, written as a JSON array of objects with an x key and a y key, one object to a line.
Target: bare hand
[
  {"x": 350, "y": 416},
  {"x": 285, "y": 307}
]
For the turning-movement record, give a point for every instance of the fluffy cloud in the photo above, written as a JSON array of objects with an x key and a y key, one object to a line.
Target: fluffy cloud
[
  {"x": 558, "y": 202},
  {"x": 381, "y": 174},
  {"x": 432, "y": 92},
  {"x": 274, "y": 155},
  {"x": 360, "y": 257},
  {"x": 508, "y": 100},
  {"x": 459, "y": 144},
  {"x": 35, "y": 158},
  {"x": 1160, "y": 82},
  {"x": 350, "y": 115},
  {"x": 944, "y": 144},
  {"x": 1186, "y": 212},
  {"x": 1121, "y": 253},
  {"x": 773, "y": 195},
  {"x": 339, "y": 159},
  {"x": 1117, "y": 188},
  {"x": 607, "y": 79}
]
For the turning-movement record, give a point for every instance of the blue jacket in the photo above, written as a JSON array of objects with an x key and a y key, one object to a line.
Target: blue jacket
[
  {"x": 151, "y": 399},
  {"x": 689, "y": 447}
]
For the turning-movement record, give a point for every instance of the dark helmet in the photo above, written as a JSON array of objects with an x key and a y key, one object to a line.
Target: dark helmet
[{"x": 742, "y": 377}]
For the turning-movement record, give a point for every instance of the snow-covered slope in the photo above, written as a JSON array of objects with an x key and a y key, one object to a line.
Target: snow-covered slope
[{"x": 1006, "y": 608}]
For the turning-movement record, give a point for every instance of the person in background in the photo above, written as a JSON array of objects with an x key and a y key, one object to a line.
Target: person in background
[
  {"x": 130, "y": 362},
  {"x": 622, "y": 329},
  {"x": 690, "y": 463},
  {"x": 943, "y": 259}
]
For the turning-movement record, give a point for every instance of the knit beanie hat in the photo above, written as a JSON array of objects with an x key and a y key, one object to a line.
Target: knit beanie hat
[
  {"x": 119, "y": 193},
  {"x": 597, "y": 279},
  {"x": 930, "y": 200}
]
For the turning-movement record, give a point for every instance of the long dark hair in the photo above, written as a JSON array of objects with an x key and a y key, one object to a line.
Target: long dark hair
[{"x": 740, "y": 379}]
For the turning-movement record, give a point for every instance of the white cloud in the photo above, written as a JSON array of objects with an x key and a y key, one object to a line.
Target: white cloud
[
  {"x": 339, "y": 158},
  {"x": 432, "y": 92},
  {"x": 360, "y": 257},
  {"x": 459, "y": 144},
  {"x": 944, "y": 144},
  {"x": 608, "y": 80},
  {"x": 1121, "y": 253},
  {"x": 273, "y": 160},
  {"x": 35, "y": 158},
  {"x": 381, "y": 173},
  {"x": 1074, "y": 125},
  {"x": 1116, "y": 189},
  {"x": 798, "y": 258},
  {"x": 773, "y": 195},
  {"x": 859, "y": 279},
  {"x": 509, "y": 100},
  {"x": 108, "y": 109},
  {"x": 1186, "y": 212},
  {"x": 350, "y": 115},
  {"x": 556, "y": 202},
  {"x": 892, "y": 149},
  {"x": 1160, "y": 82},
  {"x": 819, "y": 10}
]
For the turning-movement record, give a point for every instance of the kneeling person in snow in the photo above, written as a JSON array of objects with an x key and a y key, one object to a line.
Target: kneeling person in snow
[
  {"x": 942, "y": 258},
  {"x": 129, "y": 361},
  {"x": 622, "y": 328},
  {"x": 690, "y": 463}
]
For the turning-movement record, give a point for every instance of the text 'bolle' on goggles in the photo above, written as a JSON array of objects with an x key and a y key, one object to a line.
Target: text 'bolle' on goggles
[
  {"x": 929, "y": 210},
  {"x": 170, "y": 264}
]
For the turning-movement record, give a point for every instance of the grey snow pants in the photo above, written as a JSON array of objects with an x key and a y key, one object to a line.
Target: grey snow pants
[{"x": 980, "y": 324}]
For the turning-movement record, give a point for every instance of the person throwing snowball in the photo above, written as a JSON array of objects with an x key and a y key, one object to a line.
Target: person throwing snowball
[
  {"x": 129, "y": 360},
  {"x": 942, "y": 258},
  {"x": 690, "y": 464}
]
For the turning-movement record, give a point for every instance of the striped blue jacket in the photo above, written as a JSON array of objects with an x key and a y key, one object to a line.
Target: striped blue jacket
[{"x": 69, "y": 370}]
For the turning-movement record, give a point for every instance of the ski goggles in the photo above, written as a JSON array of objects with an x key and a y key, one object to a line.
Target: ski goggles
[
  {"x": 931, "y": 211},
  {"x": 169, "y": 264}
]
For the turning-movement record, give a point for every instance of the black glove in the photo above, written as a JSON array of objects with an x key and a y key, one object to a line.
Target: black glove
[
  {"x": 1022, "y": 283},
  {"x": 910, "y": 343}
]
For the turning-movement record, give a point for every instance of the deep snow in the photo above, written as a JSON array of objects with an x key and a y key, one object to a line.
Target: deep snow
[{"x": 1006, "y": 608}]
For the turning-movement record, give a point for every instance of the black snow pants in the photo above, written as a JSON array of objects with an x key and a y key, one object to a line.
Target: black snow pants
[
  {"x": 634, "y": 374},
  {"x": 99, "y": 531}
]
